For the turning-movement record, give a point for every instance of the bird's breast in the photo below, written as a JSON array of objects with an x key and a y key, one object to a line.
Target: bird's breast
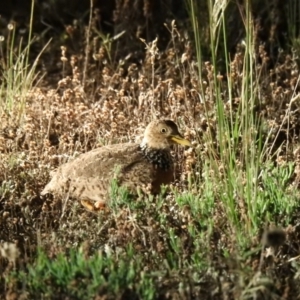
[{"x": 162, "y": 177}]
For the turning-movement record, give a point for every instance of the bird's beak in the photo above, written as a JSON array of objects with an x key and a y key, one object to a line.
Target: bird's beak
[{"x": 177, "y": 139}]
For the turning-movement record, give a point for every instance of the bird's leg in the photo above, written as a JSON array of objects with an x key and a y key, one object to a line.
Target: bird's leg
[{"x": 93, "y": 206}]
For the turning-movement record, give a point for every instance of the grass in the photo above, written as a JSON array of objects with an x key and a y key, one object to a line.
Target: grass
[
  {"x": 81, "y": 277},
  {"x": 226, "y": 229}
]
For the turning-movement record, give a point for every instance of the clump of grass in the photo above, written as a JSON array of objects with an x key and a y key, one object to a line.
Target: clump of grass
[
  {"x": 80, "y": 276},
  {"x": 18, "y": 76}
]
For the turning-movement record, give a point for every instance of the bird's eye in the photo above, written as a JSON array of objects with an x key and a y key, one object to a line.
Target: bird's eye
[{"x": 163, "y": 130}]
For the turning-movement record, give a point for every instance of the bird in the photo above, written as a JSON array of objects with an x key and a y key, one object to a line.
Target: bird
[{"x": 144, "y": 166}]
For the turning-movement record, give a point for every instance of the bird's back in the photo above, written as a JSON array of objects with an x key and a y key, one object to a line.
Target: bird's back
[{"x": 90, "y": 174}]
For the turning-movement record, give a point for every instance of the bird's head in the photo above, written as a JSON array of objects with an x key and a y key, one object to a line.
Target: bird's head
[{"x": 160, "y": 134}]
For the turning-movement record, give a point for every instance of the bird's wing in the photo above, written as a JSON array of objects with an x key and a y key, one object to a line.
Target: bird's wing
[{"x": 99, "y": 167}]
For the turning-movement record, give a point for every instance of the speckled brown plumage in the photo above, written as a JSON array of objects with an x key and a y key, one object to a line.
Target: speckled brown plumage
[{"x": 146, "y": 166}]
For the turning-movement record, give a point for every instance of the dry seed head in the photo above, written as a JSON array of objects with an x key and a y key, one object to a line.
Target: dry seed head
[
  {"x": 9, "y": 251},
  {"x": 10, "y": 26},
  {"x": 63, "y": 54}
]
